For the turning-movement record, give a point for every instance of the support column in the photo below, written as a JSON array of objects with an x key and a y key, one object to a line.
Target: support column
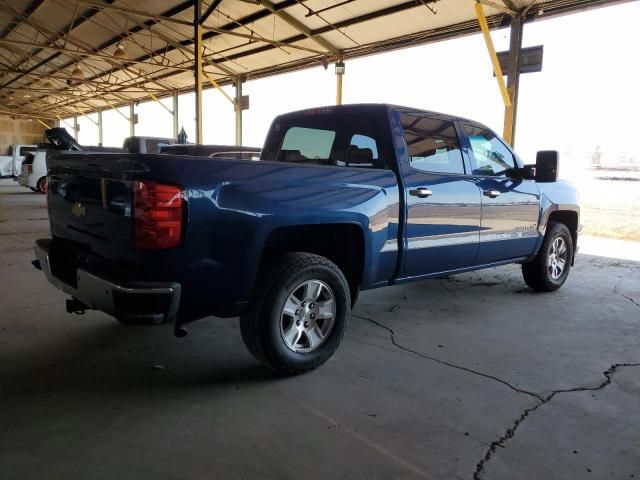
[
  {"x": 75, "y": 128},
  {"x": 132, "y": 120},
  {"x": 238, "y": 110},
  {"x": 484, "y": 27},
  {"x": 197, "y": 70},
  {"x": 339, "y": 73},
  {"x": 175, "y": 114},
  {"x": 100, "y": 132},
  {"x": 513, "y": 79}
]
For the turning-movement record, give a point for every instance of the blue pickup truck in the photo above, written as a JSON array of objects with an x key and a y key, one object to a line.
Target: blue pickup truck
[{"x": 343, "y": 199}]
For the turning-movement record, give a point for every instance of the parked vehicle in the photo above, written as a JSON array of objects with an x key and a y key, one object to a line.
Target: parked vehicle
[
  {"x": 11, "y": 162},
  {"x": 344, "y": 199},
  {"x": 62, "y": 140},
  {"x": 139, "y": 144},
  {"x": 34, "y": 171}
]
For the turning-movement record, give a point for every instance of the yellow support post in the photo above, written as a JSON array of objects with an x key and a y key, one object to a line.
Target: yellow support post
[
  {"x": 238, "y": 110},
  {"x": 484, "y": 26},
  {"x": 339, "y": 74},
  {"x": 197, "y": 45}
]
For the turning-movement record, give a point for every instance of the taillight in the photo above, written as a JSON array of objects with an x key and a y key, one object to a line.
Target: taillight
[{"x": 157, "y": 215}]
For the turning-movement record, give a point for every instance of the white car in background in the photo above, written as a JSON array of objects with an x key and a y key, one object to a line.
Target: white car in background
[
  {"x": 11, "y": 162},
  {"x": 34, "y": 171}
]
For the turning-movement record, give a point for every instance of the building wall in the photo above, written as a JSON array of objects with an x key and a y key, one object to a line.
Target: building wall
[{"x": 19, "y": 130}]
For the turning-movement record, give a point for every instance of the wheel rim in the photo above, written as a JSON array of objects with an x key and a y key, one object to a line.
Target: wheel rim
[
  {"x": 307, "y": 316},
  {"x": 557, "y": 260}
]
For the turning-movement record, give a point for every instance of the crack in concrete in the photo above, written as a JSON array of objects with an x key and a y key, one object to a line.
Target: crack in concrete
[
  {"x": 448, "y": 364},
  {"x": 510, "y": 432},
  {"x": 615, "y": 290}
]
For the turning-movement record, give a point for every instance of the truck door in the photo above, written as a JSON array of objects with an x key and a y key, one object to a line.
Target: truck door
[
  {"x": 442, "y": 201},
  {"x": 510, "y": 206}
]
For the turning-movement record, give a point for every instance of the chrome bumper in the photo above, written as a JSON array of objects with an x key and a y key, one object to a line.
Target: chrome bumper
[{"x": 100, "y": 294}]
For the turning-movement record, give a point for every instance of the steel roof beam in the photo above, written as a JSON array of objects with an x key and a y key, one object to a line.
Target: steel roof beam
[
  {"x": 84, "y": 53},
  {"x": 210, "y": 34},
  {"x": 509, "y": 8},
  {"x": 30, "y": 10},
  {"x": 227, "y": 28},
  {"x": 287, "y": 18},
  {"x": 88, "y": 14},
  {"x": 210, "y": 9}
]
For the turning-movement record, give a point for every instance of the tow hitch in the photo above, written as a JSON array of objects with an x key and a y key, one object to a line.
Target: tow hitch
[
  {"x": 180, "y": 329},
  {"x": 76, "y": 306}
]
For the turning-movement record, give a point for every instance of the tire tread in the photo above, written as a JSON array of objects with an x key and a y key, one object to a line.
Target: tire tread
[{"x": 252, "y": 324}]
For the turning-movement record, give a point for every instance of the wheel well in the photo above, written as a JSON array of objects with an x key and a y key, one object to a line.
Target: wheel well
[
  {"x": 341, "y": 243},
  {"x": 570, "y": 219}
]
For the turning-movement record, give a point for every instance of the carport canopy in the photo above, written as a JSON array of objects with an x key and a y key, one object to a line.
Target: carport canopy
[{"x": 63, "y": 58}]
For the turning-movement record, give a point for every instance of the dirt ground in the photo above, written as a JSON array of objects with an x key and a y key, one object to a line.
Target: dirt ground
[{"x": 609, "y": 208}]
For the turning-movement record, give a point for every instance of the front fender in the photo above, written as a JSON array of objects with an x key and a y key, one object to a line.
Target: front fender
[{"x": 557, "y": 196}]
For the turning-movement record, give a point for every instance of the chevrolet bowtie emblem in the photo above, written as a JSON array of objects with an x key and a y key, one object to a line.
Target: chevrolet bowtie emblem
[{"x": 78, "y": 210}]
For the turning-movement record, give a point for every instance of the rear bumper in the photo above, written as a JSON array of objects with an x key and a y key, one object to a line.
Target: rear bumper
[{"x": 134, "y": 302}]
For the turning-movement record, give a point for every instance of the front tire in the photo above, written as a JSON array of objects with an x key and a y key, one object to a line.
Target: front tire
[
  {"x": 550, "y": 268},
  {"x": 299, "y": 314}
]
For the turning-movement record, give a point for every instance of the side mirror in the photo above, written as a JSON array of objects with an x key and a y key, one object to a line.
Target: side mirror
[
  {"x": 528, "y": 172},
  {"x": 547, "y": 166}
]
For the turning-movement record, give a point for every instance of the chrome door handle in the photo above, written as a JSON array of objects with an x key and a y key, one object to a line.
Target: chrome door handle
[
  {"x": 421, "y": 192},
  {"x": 491, "y": 193}
]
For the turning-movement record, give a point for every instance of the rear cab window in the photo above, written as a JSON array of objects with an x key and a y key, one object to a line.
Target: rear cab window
[{"x": 325, "y": 137}]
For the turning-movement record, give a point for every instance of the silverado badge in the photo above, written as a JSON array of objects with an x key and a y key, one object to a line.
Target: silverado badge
[{"x": 78, "y": 210}]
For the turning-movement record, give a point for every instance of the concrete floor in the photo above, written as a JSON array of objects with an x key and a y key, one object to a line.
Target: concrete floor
[{"x": 470, "y": 377}]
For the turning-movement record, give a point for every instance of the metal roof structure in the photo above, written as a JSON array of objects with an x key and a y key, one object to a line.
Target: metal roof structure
[{"x": 70, "y": 57}]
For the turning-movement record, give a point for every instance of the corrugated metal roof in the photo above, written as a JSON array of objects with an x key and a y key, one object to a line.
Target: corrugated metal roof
[{"x": 43, "y": 41}]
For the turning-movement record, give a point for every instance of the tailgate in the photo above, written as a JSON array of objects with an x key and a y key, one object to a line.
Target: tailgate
[{"x": 90, "y": 200}]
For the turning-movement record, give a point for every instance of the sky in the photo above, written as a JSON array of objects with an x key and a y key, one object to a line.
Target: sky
[{"x": 586, "y": 96}]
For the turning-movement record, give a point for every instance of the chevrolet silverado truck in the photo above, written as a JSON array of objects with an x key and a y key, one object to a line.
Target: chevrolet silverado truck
[{"x": 343, "y": 199}]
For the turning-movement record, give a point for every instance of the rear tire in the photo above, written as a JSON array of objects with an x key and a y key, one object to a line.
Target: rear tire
[
  {"x": 299, "y": 315},
  {"x": 550, "y": 268},
  {"x": 42, "y": 185}
]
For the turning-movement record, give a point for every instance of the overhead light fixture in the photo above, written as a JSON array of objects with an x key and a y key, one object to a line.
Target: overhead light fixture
[
  {"x": 339, "y": 68},
  {"x": 77, "y": 73},
  {"x": 120, "y": 52}
]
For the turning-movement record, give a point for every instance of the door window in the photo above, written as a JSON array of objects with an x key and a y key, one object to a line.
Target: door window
[
  {"x": 492, "y": 157},
  {"x": 432, "y": 145}
]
